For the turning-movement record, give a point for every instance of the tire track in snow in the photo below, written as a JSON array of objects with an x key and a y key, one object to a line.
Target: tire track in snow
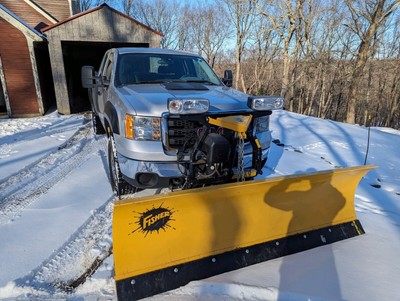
[
  {"x": 21, "y": 190},
  {"x": 44, "y": 128},
  {"x": 23, "y": 177},
  {"x": 80, "y": 256}
]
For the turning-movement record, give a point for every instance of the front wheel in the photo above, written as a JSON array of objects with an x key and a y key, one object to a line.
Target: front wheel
[{"x": 118, "y": 184}]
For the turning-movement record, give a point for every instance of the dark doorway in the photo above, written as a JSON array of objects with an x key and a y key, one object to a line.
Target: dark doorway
[
  {"x": 3, "y": 107},
  {"x": 78, "y": 54},
  {"x": 45, "y": 75}
]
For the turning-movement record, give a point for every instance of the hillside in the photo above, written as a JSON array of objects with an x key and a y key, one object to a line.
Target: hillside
[{"x": 56, "y": 207}]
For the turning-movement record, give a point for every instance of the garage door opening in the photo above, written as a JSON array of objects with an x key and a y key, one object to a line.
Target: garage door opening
[
  {"x": 3, "y": 108},
  {"x": 45, "y": 76},
  {"x": 78, "y": 54},
  {"x": 3, "y": 100}
]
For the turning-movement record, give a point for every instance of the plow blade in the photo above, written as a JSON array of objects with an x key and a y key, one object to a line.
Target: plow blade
[{"x": 164, "y": 241}]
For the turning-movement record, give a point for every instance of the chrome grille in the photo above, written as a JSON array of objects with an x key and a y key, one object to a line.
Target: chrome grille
[{"x": 180, "y": 131}]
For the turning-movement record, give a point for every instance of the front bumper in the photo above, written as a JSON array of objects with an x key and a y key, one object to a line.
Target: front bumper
[
  {"x": 147, "y": 174},
  {"x": 161, "y": 173}
]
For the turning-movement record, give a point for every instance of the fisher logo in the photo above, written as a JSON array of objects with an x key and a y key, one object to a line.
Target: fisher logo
[{"x": 154, "y": 219}]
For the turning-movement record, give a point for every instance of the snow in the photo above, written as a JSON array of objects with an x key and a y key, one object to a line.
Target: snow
[{"x": 56, "y": 208}]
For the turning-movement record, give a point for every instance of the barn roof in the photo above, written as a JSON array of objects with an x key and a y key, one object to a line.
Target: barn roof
[
  {"x": 95, "y": 9},
  {"x": 18, "y": 23}
]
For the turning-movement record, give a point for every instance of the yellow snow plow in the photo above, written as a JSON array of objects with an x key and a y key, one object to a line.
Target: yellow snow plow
[{"x": 164, "y": 241}]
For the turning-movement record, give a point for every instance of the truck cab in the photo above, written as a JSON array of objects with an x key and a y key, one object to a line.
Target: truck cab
[{"x": 172, "y": 122}]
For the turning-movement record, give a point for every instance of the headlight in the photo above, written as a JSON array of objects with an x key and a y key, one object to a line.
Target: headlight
[
  {"x": 261, "y": 124},
  {"x": 265, "y": 103},
  {"x": 188, "y": 106},
  {"x": 142, "y": 128}
]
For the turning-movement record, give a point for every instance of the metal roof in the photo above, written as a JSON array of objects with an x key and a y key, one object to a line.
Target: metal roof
[{"x": 95, "y": 9}]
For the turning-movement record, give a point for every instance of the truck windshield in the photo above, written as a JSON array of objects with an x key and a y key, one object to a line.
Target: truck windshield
[{"x": 144, "y": 68}]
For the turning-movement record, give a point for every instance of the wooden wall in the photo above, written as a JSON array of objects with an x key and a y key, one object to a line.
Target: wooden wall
[
  {"x": 20, "y": 56},
  {"x": 99, "y": 25},
  {"x": 59, "y": 9},
  {"x": 25, "y": 12},
  {"x": 18, "y": 72},
  {"x": 102, "y": 25}
]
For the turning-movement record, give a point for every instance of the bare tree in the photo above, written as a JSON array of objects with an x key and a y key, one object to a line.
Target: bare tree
[
  {"x": 162, "y": 16},
  {"x": 208, "y": 30},
  {"x": 259, "y": 68},
  {"x": 322, "y": 72},
  {"x": 385, "y": 83},
  {"x": 242, "y": 14},
  {"x": 337, "y": 59},
  {"x": 184, "y": 29},
  {"x": 367, "y": 18},
  {"x": 82, "y": 5},
  {"x": 286, "y": 18}
]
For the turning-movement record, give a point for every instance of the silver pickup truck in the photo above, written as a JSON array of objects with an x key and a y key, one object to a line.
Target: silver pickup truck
[{"x": 171, "y": 122}]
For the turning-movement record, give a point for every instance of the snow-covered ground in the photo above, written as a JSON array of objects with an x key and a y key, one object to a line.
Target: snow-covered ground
[{"x": 56, "y": 207}]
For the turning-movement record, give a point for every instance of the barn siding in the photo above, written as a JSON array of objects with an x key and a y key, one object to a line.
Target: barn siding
[
  {"x": 25, "y": 12},
  {"x": 59, "y": 9},
  {"x": 35, "y": 75},
  {"x": 18, "y": 72},
  {"x": 100, "y": 25},
  {"x": 103, "y": 25},
  {"x": 58, "y": 71}
]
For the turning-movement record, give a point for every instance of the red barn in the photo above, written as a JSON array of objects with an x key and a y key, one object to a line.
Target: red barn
[
  {"x": 26, "y": 87},
  {"x": 43, "y": 45}
]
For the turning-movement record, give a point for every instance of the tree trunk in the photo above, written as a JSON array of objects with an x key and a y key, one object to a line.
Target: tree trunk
[{"x": 364, "y": 52}]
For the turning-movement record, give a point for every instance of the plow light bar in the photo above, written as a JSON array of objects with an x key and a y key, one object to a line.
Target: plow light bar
[
  {"x": 265, "y": 103},
  {"x": 188, "y": 106}
]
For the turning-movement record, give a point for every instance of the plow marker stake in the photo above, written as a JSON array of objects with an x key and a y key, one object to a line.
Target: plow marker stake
[{"x": 162, "y": 242}]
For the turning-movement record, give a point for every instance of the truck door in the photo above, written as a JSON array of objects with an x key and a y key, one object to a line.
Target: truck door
[{"x": 105, "y": 75}]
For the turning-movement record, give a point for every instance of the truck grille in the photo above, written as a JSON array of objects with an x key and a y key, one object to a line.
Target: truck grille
[{"x": 180, "y": 131}]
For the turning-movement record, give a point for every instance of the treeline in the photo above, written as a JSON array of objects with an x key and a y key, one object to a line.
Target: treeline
[{"x": 336, "y": 59}]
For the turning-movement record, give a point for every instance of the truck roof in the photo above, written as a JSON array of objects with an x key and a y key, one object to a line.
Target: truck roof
[{"x": 125, "y": 50}]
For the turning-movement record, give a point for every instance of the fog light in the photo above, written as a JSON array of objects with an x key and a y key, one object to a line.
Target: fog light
[{"x": 147, "y": 179}]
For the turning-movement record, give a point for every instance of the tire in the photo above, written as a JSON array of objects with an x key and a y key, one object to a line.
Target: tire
[
  {"x": 119, "y": 186},
  {"x": 98, "y": 128}
]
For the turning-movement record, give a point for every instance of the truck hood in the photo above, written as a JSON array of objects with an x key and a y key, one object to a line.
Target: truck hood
[{"x": 151, "y": 99}]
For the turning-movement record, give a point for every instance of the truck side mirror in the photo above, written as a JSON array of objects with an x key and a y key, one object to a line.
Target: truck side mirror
[
  {"x": 88, "y": 77},
  {"x": 228, "y": 78}
]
